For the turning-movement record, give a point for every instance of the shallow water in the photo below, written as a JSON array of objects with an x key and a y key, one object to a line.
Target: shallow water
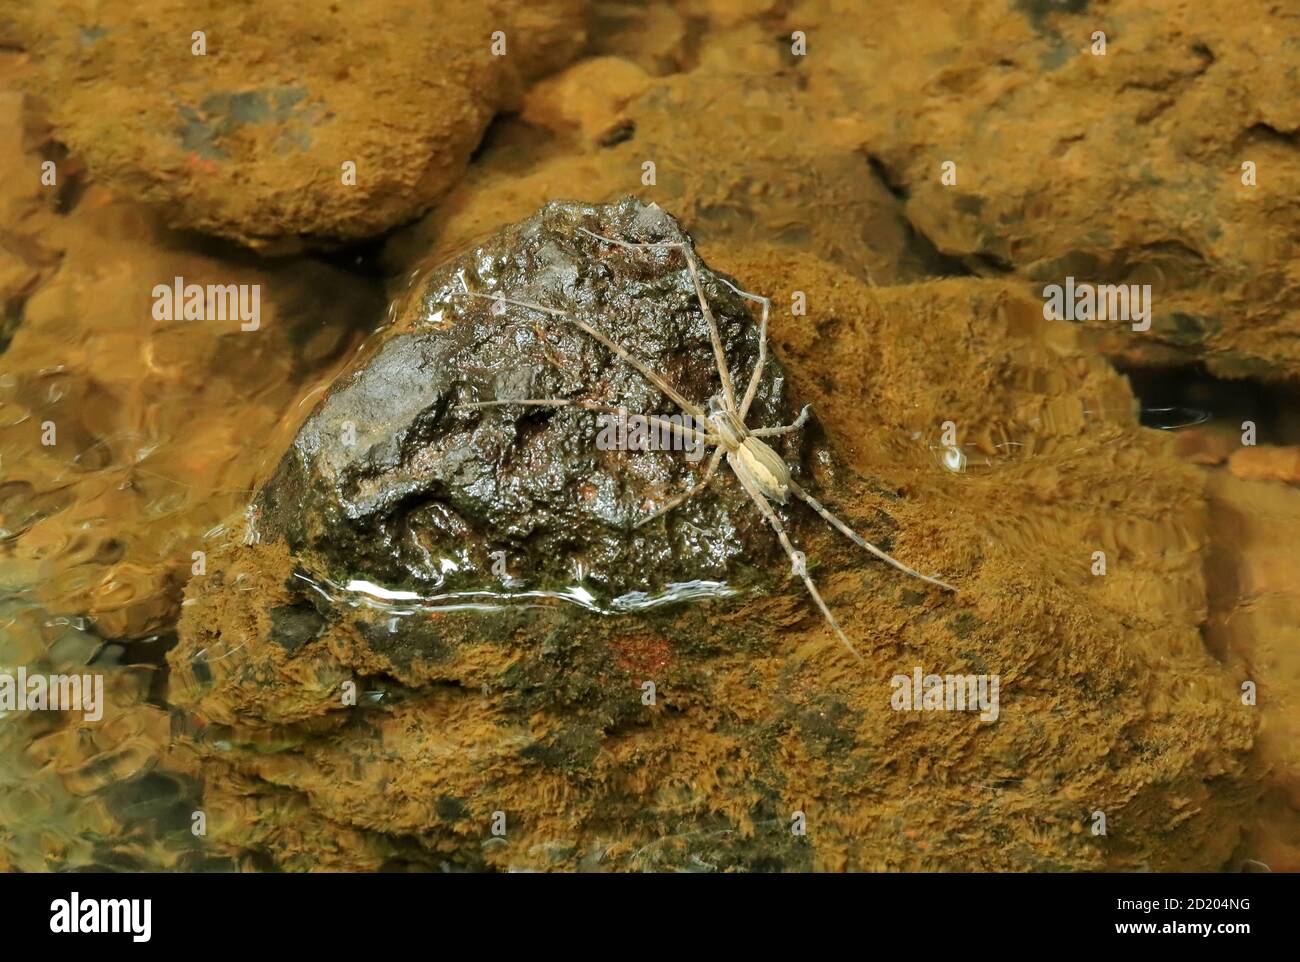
[{"x": 130, "y": 450}]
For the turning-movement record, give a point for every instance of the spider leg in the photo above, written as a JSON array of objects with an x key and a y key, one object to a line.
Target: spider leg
[
  {"x": 689, "y": 493},
  {"x": 728, "y": 391},
  {"x": 799, "y": 564},
  {"x": 719, "y": 356},
  {"x": 756, "y": 377},
  {"x": 678, "y": 430},
  {"x": 631, "y": 245},
  {"x": 617, "y": 349},
  {"x": 795, "y": 425},
  {"x": 857, "y": 539}
]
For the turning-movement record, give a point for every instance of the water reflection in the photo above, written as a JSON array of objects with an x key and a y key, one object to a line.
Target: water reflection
[{"x": 361, "y": 593}]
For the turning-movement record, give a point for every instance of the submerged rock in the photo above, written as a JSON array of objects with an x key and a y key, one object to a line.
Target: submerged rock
[
  {"x": 790, "y": 170},
  {"x": 244, "y": 123},
  {"x": 1112, "y": 144}
]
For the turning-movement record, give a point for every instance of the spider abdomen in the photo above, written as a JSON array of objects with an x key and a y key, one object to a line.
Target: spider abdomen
[{"x": 754, "y": 461}]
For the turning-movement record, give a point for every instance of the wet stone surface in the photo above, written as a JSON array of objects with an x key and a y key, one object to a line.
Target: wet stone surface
[{"x": 394, "y": 488}]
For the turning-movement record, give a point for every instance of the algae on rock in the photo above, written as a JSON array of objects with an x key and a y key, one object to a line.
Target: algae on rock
[{"x": 1109, "y": 700}]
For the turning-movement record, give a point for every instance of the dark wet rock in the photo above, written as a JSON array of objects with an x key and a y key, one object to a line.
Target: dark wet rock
[
  {"x": 390, "y": 482},
  {"x": 380, "y": 537},
  {"x": 249, "y": 139},
  {"x": 292, "y": 627}
]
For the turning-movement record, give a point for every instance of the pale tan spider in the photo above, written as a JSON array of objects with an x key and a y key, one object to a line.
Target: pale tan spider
[{"x": 760, "y": 471}]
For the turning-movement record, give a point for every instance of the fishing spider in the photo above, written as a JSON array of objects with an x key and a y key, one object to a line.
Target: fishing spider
[{"x": 759, "y": 469}]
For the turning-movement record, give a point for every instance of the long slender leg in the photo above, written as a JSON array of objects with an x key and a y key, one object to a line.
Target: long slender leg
[
  {"x": 689, "y": 493},
  {"x": 678, "y": 430},
  {"x": 757, "y": 376},
  {"x": 720, "y": 356},
  {"x": 857, "y": 539},
  {"x": 632, "y": 245},
  {"x": 795, "y": 425},
  {"x": 617, "y": 349},
  {"x": 692, "y": 266},
  {"x": 799, "y": 564}
]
